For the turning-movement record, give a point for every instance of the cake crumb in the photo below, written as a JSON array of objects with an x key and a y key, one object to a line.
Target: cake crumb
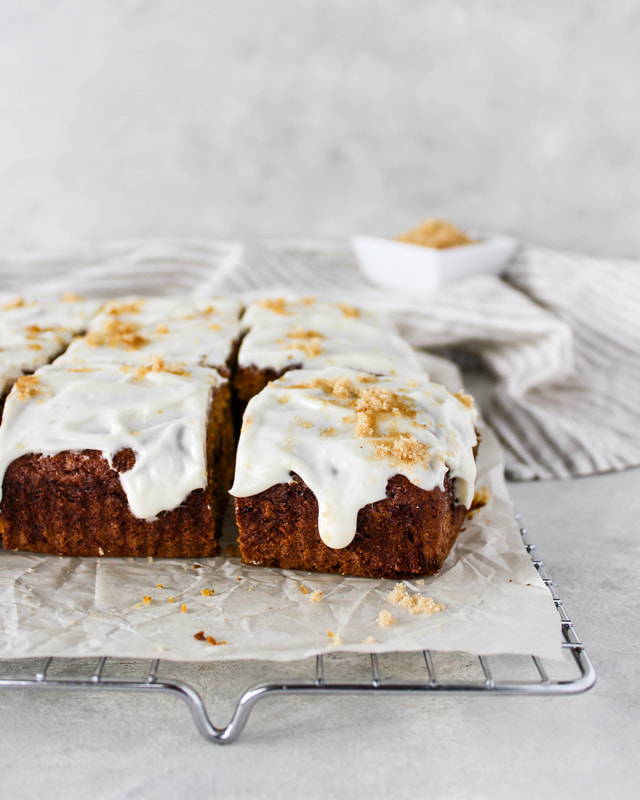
[
  {"x": 146, "y": 599},
  {"x": 238, "y": 578},
  {"x": 336, "y": 639},
  {"x": 480, "y": 499},
  {"x": 159, "y": 586},
  {"x": 315, "y": 596},
  {"x": 413, "y": 603},
  {"x": 420, "y": 582},
  {"x": 207, "y": 592},
  {"x": 304, "y": 589},
  {"x": 386, "y": 618},
  {"x": 27, "y": 386},
  {"x": 183, "y": 608},
  {"x": 150, "y": 559},
  {"x": 196, "y": 566},
  {"x": 211, "y": 640},
  {"x": 369, "y": 640},
  {"x": 100, "y": 551},
  {"x": 199, "y": 636}
]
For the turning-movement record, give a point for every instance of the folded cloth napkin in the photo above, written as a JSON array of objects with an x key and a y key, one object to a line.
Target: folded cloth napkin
[{"x": 561, "y": 334}]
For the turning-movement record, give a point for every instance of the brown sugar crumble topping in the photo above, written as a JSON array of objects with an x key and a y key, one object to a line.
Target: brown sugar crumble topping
[
  {"x": 437, "y": 233},
  {"x": 17, "y": 302},
  {"x": 275, "y": 304},
  {"x": 159, "y": 365},
  {"x": 304, "y": 589},
  {"x": 70, "y": 297},
  {"x": 348, "y": 310},
  {"x": 465, "y": 399},
  {"x": 27, "y": 386},
  {"x": 116, "y": 333},
  {"x": 310, "y": 342},
  {"x": 116, "y": 307}
]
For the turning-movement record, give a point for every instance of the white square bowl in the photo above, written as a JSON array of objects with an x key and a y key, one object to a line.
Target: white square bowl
[{"x": 412, "y": 267}]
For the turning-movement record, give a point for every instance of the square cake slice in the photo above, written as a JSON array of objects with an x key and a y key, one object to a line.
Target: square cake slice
[
  {"x": 340, "y": 471},
  {"x": 137, "y": 330},
  {"x": 311, "y": 334},
  {"x": 116, "y": 461}
]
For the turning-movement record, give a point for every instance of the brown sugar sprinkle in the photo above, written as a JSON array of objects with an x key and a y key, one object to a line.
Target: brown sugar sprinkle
[
  {"x": 171, "y": 599},
  {"x": 115, "y": 307},
  {"x": 117, "y": 333},
  {"x": 159, "y": 365},
  {"x": 159, "y": 586},
  {"x": 214, "y": 327},
  {"x": 310, "y": 342},
  {"x": 207, "y": 592},
  {"x": 146, "y": 599},
  {"x": 17, "y": 302},
  {"x": 465, "y": 399},
  {"x": 327, "y": 432},
  {"x": 27, "y": 386},
  {"x": 35, "y": 346},
  {"x": 276, "y": 304},
  {"x": 183, "y": 608},
  {"x": 70, "y": 297},
  {"x": 436, "y": 233},
  {"x": 348, "y": 310},
  {"x": 308, "y": 301},
  {"x": 303, "y": 423},
  {"x": 402, "y": 448},
  {"x": 162, "y": 329},
  {"x": 304, "y": 589},
  {"x": 80, "y": 369},
  {"x": 413, "y": 603}
]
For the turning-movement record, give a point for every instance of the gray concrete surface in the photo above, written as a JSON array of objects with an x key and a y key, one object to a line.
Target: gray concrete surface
[
  {"x": 137, "y": 119},
  {"x": 108, "y": 746}
]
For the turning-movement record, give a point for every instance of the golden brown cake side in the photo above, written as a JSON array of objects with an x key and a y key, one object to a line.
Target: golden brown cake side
[{"x": 408, "y": 534}]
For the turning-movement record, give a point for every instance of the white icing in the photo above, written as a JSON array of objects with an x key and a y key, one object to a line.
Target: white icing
[
  {"x": 283, "y": 339},
  {"x": 184, "y": 330},
  {"x": 33, "y": 333},
  {"x": 162, "y": 417},
  {"x": 286, "y": 429}
]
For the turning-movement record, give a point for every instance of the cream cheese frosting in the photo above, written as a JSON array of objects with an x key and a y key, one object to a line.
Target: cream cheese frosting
[
  {"x": 315, "y": 335},
  {"x": 136, "y": 330},
  {"x": 159, "y": 413},
  {"x": 346, "y": 434}
]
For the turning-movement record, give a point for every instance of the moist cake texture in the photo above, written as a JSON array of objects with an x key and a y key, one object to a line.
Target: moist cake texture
[
  {"x": 115, "y": 460},
  {"x": 343, "y": 471}
]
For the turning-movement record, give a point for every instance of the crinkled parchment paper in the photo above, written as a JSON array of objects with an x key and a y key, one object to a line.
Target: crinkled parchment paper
[{"x": 494, "y": 600}]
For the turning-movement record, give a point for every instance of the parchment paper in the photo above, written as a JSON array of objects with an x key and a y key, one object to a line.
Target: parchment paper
[{"x": 50, "y": 606}]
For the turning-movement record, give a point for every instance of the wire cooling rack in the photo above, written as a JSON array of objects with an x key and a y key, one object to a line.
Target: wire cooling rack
[{"x": 335, "y": 674}]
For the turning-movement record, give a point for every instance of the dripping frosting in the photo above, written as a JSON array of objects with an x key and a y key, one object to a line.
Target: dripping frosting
[{"x": 345, "y": 434}]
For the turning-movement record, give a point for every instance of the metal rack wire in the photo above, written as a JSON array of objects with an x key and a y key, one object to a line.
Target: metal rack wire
[{"x": 481, "y": 674}]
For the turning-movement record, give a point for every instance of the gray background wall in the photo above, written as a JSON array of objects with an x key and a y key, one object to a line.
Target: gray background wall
[{"x": 125, "y": 118}]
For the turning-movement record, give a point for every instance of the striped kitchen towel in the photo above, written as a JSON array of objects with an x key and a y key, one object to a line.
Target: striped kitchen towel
[{"x": 561, "y": 334}]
